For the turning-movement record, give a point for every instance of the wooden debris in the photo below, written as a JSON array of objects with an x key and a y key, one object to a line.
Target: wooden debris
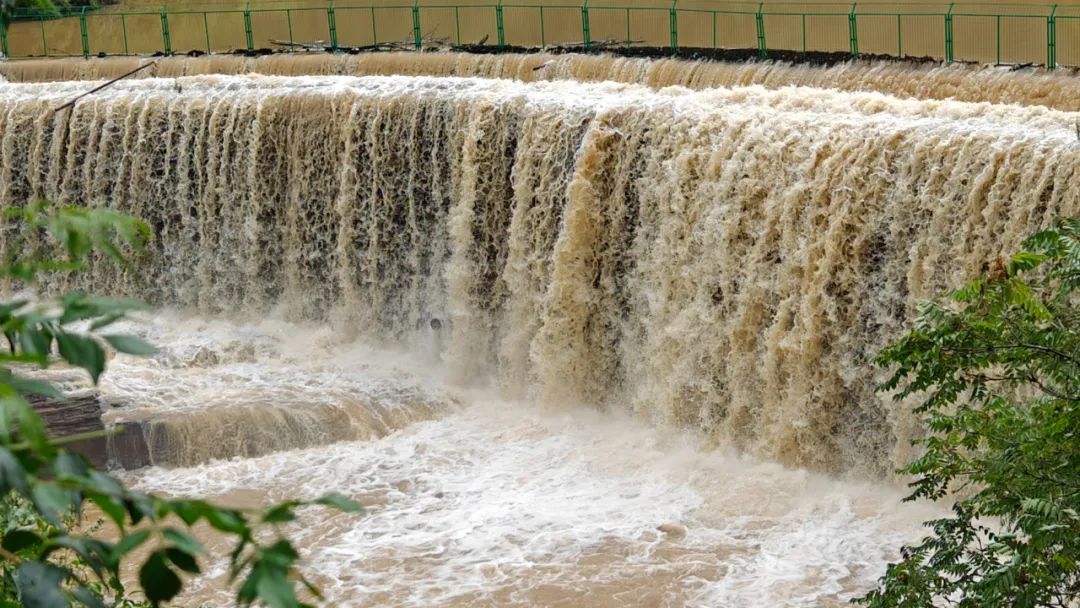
[
  {"x": 111, "y": 82},
  {"x": 318, "y": 45},
  {"x": 593, "y": 45},
  {"x": 426, "y": 43}
]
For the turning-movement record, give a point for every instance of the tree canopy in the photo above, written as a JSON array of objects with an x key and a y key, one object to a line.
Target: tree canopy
[{"x": 997, "y": 367}]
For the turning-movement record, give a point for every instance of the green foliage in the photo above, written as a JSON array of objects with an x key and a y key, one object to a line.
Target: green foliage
[
  {"x": 998, "y": 368},
  {"x": 36, "y": 9},
  {"x": 44, "y": 488}
]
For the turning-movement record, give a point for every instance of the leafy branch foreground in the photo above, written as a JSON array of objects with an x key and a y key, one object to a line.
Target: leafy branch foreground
[
  {"x": 44, "y": 488},
  {"x": 998, "y": 368}
]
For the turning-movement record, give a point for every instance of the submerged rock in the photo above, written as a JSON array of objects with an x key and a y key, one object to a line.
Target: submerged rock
[{"x": 672, "y": 530}]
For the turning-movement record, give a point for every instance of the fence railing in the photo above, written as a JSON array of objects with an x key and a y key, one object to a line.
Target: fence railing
[{"x": 992, "y": 33}]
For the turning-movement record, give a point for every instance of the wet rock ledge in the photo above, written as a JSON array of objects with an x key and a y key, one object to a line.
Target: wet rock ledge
[{"x": 81, "y": 413}]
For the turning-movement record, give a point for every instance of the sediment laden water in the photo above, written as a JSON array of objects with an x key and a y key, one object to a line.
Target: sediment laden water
[
  {"x": 727, "y": 259},
  {"x": 472, "y": 499},
  {"x": 216, "y": 390},
  {"x": 1059, "y": 89}
]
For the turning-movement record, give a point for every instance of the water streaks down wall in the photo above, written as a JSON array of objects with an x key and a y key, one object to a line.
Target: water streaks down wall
[
  {"x": 1058, "y": 90},
  {"x": 726, "y": 259}
]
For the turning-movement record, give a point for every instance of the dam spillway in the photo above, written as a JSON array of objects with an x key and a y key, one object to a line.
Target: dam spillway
[
  {"x": 725, "y": 259},
  {"x": 961, "y": 82}
]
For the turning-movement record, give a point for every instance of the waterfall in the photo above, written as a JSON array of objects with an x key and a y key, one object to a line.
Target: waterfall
[{"x": 724, "y": 259}]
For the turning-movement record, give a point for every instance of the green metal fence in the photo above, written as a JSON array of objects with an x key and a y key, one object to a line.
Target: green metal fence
[{"x": 994, "y": 33}]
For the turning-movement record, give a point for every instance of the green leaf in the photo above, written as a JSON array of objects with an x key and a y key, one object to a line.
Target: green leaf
[
  {"x": 130, "y": 345},
  {"x": 1024, "y": 261},
  {"x": 39, "y": 585},
  {"x": 106, "y": 320},
  {"x": 22, "y": 270},
  {"x": 29, "y": 386},
  {"x": 117, "y": 305},
  {"x": 35, "y": 343},
  {"x": 275, "y": 590},
  {"x": 19, "y": 539},
  {"x": 113, "y": 508},
  {"x": 87, "y": 598},
  {"x": 52, "y": 501},
  {"x": 69, "y": 465},
  {"x": 341, "y": 503},
  {"x": 91, "y": 551},
  {"x": 32, "y": 429},
  {"x": 83, "y": 352},
  {"x": 248, "y": 590},
  {"x": 128, "y": 542},
  {"x": 279, "y": 514},
  {"x": 7, "y": 308},
  {"x": 225, "y": 520},
  {"x": 158, "y": 581},
  {"x": 190, "y": 511},
  {"x": 138, "y": 506},
  {"x": 183, "y": 540},
  {"x": 12, "y": 473},
  {"x": 281, "y": 554},
  {"x": 104, "y": 484},
  {"x": 183, "y": 560}
]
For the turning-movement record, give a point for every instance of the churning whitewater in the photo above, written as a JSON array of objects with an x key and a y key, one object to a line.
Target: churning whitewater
[
  {"x": 727, "y": 260},
  {"x": 483, "y": 501}
]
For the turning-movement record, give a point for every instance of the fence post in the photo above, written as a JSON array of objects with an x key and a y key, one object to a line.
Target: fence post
[
  {"x": 997, "y": 39},
  {"x": 457, "y": 24},
  {"x": 1051, "y": 39},
  {"x": 673, "y": 17},
  {"x": 853, "y": 30},
  {"x": 899, "y": 38},
  {"x": 165, "y": 39},
  {"x": 500, "y": 29},
  {"x": 3, "y": 36},
  {"x": 586, "y": 35},
  {"x": 949, "y": 35},
  {"x": 543, "y": 39},
  {"x": 249, "y": 36},
  {"x": 206, "y": 31},
  {"x": 83, "y": 34},
  {"x": 759, "y": 19},
  {"x": 804, "y": 34},
  {"x": 417, "y": 36},
  {"x": 331, "y": 24}
]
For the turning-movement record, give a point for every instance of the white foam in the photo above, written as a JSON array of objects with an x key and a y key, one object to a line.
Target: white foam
[
  {"x": 504, "y": 503},
  {"x": 205, "y": 364}
]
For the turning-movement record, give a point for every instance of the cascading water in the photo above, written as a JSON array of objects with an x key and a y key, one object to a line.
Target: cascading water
[
  {"x": 727, "y": 259},
  {"x": 720, "y": 262},
  {"x": 963, "y": 82},
  {"x": 499, "y": 502}
]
